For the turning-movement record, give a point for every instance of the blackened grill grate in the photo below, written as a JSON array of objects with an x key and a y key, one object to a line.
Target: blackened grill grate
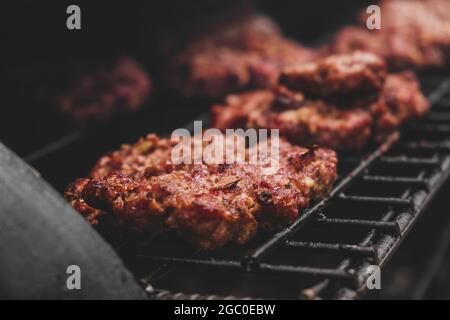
[{"x": 373, "y": 207}]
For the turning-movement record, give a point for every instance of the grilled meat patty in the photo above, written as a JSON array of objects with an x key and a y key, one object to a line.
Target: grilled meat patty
[
  {"x": 305, "y": 122},
  {"x": 414, "y": 33},
  {"x": 208, "y": 205},
  {"x": 122, "y": 86},
  {"x": 243, "y": 54},
  {"x": 345, "y": 76},
  {"x": 347, "y": 123},
  {"x": 400, "y": 101}
]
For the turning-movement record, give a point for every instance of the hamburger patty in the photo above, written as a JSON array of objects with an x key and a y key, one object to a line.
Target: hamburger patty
[{"x": 139, "y": 191}]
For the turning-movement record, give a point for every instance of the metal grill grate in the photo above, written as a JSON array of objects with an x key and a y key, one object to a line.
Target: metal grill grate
[
  {"x": 407, "y": 170},
  {"x": 375, "y": 204}
]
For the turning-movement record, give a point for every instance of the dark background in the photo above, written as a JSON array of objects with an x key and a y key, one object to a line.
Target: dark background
[
  {"x": 39, "y": 55},
  {"x": 36, "y": 47},
  {"x": 37, "y": 29}
]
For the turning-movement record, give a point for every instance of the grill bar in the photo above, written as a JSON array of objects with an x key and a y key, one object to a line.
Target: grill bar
[
  {"x": 424, "y": 201},
  {"x": 378, "y": 200},
  {"x": 403, "y": 160},
  {"x": 386, "y": 246},
  {"x": 432, "y": 129},
  {"x": 424, "y": 145},
  {"x": 54, "y": 146},
  {"x": 158, "y": 294},
  {"x": 402, "y": 180},
  {"x": 390, "y": 227},
  {"x": 314, "y": 292},
  {"x": 334, "y": 248},
  {"x": 438, "y": 116},
  {"x": 195, "y": 262},
  {"x": 440, "y": 93},
  {"x": 308, "y": 271}
]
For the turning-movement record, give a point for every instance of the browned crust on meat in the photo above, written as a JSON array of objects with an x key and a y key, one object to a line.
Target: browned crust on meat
[
  {"x": 149, "y": 156},
  {"x": 73, "y": 196},
  {"x": 343, "y": 76},
  {"x": 301, "y": 121},
  {"x": 342, "y": 127},
  {"x": 319, "y": 123},
  {"x": 210, "y": 205}
]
